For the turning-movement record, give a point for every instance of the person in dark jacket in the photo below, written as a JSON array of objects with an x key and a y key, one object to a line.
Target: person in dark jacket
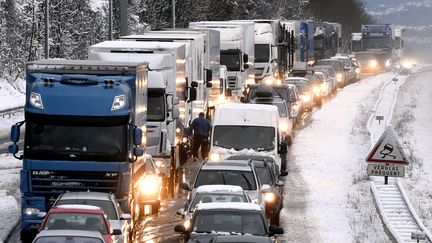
[{"x": 201, "y": 129}]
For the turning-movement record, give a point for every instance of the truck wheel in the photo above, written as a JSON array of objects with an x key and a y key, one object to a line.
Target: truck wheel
[{"x": 275, "y": 219}]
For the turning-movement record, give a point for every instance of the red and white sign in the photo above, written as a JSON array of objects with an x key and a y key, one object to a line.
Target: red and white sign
[{"x": 387, "y": 149}]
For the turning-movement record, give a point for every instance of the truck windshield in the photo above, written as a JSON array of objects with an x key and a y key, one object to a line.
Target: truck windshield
[
  {"x": 262, "y": 53},
  {"x": 319, "y": 43},
  {"x": 231, "y": 59},
  {"x": 244, "y": 137},
  {"x": 373, "y": 43},
  {"x": 76, "y": 138},
  {"x": 156, "y": 108}
]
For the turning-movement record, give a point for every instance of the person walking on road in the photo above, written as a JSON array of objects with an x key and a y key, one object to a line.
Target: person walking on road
[{"x": 201, "y": 129}]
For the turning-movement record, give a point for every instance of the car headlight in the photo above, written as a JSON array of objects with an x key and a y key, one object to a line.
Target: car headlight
[
  {"x": 316, "y": 90},
  {"x": 186, "y": 224},
  {"x": 118, "y": 102},
  {"x": 159, "y": 163},
  {"x": 373, "y": 63},
  {"x": 184, "y": 140},
  {"x": 31, "y": 211},
  {"x": 339, "y": 77},
  {"x": 149, "y": 185},
  {"x": 357, "y": 70},
  {"x": 215, "y": 156},
  {"x": 269, "y": 197},
  {"x": 306, "y": 98},
  {"x": 36, "y": 100}
]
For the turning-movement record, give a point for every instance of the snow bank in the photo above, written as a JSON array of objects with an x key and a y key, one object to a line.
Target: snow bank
[
  {"x": 327, "y": 194},
  {"x": 11, "y": 96}
]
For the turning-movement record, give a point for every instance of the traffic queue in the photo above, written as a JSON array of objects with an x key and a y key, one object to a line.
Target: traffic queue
[{"x": 119, "y": 128}]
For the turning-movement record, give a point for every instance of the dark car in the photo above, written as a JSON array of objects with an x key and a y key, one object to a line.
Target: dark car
[
  {"x": 272, "y": 183},
  {"x": 341, "y": 73},
  {"x": 229, "y": 218},
  {"x": 240, "y": 238}
]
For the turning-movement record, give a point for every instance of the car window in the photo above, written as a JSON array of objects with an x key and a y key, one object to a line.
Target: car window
[
  {"x": 76, "y": 221},
  {"x": 244, "y": 179},
  {"x": 229, "y": 221},
  {"x": 216, "y": 197},
  {"x": 105, "y": 205},
  {"x": 265, "y": 176},
  {"x": 67, "y": 239}
]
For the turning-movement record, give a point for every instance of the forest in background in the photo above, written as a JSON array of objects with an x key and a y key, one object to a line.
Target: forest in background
[{"x": 77, "y": 24}]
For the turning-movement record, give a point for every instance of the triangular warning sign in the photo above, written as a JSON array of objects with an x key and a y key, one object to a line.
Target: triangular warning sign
[{"x": 387, "y": 149}]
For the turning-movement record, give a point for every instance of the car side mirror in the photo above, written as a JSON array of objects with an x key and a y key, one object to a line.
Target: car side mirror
[
  {"x": 284, "y": 173},
  {"x": 275, "y": 230},
  {"x": 181, "y": 229},
  {"x": 41, "y": 214},
  {"x": 194, "y": 84},
  {"x": 15, "y": 133},
  {"x": 137, "y": 139},
  {"x": 245, "y": 58},
  {"x": 175, "y": 113},
  {"x": 185, "y": 186},
  {"x": 280, "y": 183},
  {"x": 116, "y": 232},
  {"x": 180, "y": 211},
  {"x": 125, "y": 216}
]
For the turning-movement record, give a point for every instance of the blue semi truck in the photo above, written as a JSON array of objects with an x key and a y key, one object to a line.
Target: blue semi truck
[{"x": 84, "y": 125}]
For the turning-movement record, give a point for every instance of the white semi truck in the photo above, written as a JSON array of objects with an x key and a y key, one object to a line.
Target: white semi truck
[
  {"x": 169, "y": 97},
  {"x": 236, "y": 51}
]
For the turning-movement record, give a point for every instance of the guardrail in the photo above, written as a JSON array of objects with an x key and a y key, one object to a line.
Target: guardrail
[{"x": 11, "y": 111}]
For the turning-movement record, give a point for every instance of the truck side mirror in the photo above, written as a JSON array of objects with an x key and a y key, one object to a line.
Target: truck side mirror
[
  {"x": 209, "y": 75},
  {"x": 138, "y": 151},
  {"x": 194, "y": 84},
  {"x": 192, "y": 94},
  {"x": 137, "y": 138},
  {"x": 175, "y": 114},
  {"x": 15, "y": 133},
  {"x": 209, "y": 85},
  {"x": 246, "y": 66},
  {"x": 13, "y": 148},
  {"x": 245, "y": 57},
  {"x": 175, "y": 101}
]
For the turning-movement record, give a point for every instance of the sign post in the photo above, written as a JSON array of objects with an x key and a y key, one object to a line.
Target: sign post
[{"x": 387, "y": 157}]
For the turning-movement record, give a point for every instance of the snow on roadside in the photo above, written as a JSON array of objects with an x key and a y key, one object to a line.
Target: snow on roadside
[
  {"x": 412, "y": 122},
  {"x": 11, "y": 96},
  {"x": 328, "y": 196},
  {"x": 9, "y": 193}
]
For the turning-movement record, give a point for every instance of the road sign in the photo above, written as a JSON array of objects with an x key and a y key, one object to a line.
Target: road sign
[
  {"x": 387, "y": 149},
  {"x": 391, "y": 170}
]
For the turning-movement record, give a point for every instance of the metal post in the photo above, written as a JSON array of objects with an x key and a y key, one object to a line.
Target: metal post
[
  {"x": 123, "y": 18},
  {"x": 47, "y": 34},
  {"x": 173, "y": 14},
  {"x": 385, "y": 180},
  {"x": 110, "y": 20}
]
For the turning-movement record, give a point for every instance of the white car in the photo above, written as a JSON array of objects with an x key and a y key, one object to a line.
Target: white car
[
  {"x": 66, "y": 236},
  {"x": 327, "y": 84},
  {"x": 107, "y": 202}
]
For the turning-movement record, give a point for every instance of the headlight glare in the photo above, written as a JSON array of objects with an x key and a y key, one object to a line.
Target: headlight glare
[
  {"x": 149, "y": 184},
  {"x": 269, "y": 197},
  {"x": 215, "y": 156},
  {"x": 31, "y": 211}
]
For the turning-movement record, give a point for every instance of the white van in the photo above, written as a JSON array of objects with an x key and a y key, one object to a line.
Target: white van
[{"x": 247, "y": 129}]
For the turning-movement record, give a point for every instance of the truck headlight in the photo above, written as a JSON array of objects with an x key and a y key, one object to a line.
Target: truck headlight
[
  {"x": 215, "y": 156},
  {"x": 31, "y": 211},
  {"x": 373, "y": 63},
  {"x": 118, "y": 102},
  {"x": 36, "y": 100},
  {"x": 149, "y": 185},
  {"x": 269, "y": 197}
]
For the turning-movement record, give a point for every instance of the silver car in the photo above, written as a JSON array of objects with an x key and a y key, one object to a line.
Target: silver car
[
  {"x": 65, "y": 236},
  {"x": 107, "y": 202}
]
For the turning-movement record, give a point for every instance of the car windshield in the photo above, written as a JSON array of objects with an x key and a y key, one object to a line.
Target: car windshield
[
  {"x": 216, "y": 197},
  {"x": 231, "y": 60},
  {"x": 76, "y": 221},
  {"x": 244, "y": 179},
  {"x": 105, "y": 205},
  {"x": 75, "y": 138},
  {"x": 67, "y": 239},
  {"x": 264, "y": 175},
  {"x": 244, "y": 137},
  {"x": 335, "y": 64},
  {"x": 301, "y": 86},
  {"x": 262, "y": 53},
  {"x": 155, "y": 108},
  {"x": 229, "y": 221}
]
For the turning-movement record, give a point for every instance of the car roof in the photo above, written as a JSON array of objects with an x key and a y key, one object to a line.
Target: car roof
[
  {"x": 251, "y": 157},
  {"x": 76, "y": 208},
  {"x": 241, "y": 165},
  {"x": 241, "y": 238},
  {"x": 295, "y": 78},
  {"x": 237, "y": 206},
  {"x": 86, "y": 195},
  {"x": 85, "y": 233},
  {"x": 219, "y": 189}
]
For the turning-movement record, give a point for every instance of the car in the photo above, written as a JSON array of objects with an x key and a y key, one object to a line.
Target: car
[
  {"x": 79, "y": 217},
  {"x": 325, "y": 83},
  {"x": 240, "y": 238},
  {"x": 297, "y": 102},
  {"x": 272, "y": 184},
  {"x": 107, "y": 202},
  {"x": 332, "y": 74},
  {"x": 305, "y": 91},
  {"x": 210, "y": 194},
  {"x": 147, "y": 187},
  {"x": 286, "y": 120},
  {"x": 232, "y": 218},
  {"x": 369, "y": 63},
  {"x": 348, "y": 66},
  {"x": 228, "y": 172},
  {"x": 357, "y": 68},
  {"x": 68, "y": 236},
  {"x": 341, "y": 73}
]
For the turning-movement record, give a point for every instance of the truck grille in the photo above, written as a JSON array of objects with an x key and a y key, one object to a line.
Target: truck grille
[
  {"x": 232, "y": 82},
  {"x": 44, "y": 181}
]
